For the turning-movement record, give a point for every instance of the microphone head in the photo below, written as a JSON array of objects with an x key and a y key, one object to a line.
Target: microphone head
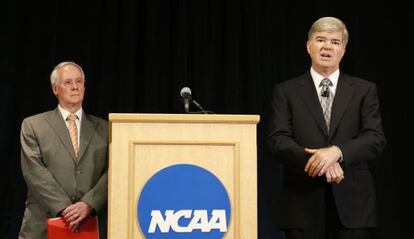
[{"x": 185, "y": 92}]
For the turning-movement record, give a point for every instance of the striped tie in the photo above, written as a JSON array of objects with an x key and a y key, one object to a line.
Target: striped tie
[
  {"x": 326, "y": 100},
  {"x": 73, "y": 132}
]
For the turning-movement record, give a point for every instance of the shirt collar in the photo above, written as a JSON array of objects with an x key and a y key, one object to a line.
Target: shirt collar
[
  {"x": 317, "y": 78},
  {"x": 66, "y": 113}
]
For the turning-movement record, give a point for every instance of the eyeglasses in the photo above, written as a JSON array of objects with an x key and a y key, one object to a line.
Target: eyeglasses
[{"x": 69, "y": 82}]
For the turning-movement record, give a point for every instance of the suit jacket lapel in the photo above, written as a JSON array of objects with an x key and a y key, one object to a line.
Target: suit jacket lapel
[
  {"x": 87, "y": 130},
  {"x": 311, "y": 100},
  {"x": 343, "y": 95},
  {"x": 57, "y": 122}
]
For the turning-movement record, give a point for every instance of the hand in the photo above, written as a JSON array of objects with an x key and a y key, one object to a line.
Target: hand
[
  {"x": 321, "y": 160},
  {"x": 75, "y": 213},
  {"x": 334, "y": 173}
]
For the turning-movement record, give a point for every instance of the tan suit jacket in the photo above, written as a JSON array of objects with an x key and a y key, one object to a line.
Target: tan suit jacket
[{"x": 55, "y": 179}]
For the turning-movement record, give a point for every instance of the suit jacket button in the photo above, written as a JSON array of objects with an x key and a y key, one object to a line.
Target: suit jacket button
[{"x": 78, "y": 172}]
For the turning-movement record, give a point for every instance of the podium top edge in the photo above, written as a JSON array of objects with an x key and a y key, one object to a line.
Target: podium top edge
[{"x": 183, "y": 118}]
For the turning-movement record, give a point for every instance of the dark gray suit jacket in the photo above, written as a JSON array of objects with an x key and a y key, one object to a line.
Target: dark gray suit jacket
[
  {"x": 297, "y": 122},
  {"x": 55, "y": 179}
]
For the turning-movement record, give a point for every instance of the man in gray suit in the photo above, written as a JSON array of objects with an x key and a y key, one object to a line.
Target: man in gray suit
[{"x": 65, "y": 172}]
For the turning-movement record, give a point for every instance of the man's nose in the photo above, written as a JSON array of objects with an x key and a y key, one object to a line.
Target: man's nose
[{"x": 327, "y": 44}]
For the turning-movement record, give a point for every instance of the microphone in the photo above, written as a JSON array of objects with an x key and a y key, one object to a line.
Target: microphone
[
  {"x": 186, "y": 95},
  {"x": 325, "y": 93}
]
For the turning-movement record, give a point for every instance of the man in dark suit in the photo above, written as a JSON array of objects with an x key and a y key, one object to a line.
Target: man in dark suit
[
  {"x": 325, "y": 128},
  {"x": 64, "y": 158}
]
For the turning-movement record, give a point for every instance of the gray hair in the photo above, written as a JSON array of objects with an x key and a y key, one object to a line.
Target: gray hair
[
  {"x": 329, "y": 24},
  {"x": 54, "y": 76}
]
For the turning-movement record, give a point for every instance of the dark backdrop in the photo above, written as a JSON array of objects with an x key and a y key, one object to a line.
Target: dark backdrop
[{"x": 138, "y": 54}]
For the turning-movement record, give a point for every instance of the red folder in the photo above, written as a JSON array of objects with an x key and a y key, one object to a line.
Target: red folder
[{"x": 58, "y": 228}]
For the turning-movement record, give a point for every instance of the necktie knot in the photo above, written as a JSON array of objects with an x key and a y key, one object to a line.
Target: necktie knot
[
  {"x": 71, "y": 117},
  {"x": 326, "y": 82}
]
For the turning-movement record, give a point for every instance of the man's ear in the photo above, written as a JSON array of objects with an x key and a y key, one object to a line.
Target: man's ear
[
  {"x": 307, "y": 46},
  {"x": 55, "y": 91}
]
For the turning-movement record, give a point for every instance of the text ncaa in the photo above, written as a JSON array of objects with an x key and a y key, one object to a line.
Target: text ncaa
[{"x": 184, "y": 201}]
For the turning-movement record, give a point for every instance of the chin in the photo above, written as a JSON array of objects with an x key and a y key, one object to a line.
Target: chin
[
  {"x": 327, "y": 64},
  {"x": 76, "y": 98},
  {"x": 75, "y": 102}
]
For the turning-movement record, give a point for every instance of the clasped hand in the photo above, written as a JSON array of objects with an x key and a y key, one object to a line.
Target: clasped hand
[
  {"x": 75, "y": 213},
  {"x": 324, "y": 161}
]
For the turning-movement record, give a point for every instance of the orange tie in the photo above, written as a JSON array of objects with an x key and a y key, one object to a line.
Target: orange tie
[{"x": 73, "y": 132}]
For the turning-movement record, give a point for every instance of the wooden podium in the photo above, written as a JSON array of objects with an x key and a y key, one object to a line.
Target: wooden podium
[{"x": 143, "y": 144}]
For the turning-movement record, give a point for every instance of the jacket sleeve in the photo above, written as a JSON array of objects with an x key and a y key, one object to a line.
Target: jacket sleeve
[
  {"x": 39, "y": 180},
  {"x": 371, "y": 141},
  {"x": 97, "y": 196},
  {"x": 280, "y": 138}
]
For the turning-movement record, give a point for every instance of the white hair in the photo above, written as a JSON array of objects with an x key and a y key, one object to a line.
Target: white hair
[{"x": 54, "y": 76}]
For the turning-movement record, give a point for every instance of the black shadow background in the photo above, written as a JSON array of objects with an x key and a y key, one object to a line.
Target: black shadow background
[{"x": 138, "y": 54}]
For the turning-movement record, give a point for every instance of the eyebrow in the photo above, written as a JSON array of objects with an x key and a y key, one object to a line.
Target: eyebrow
[{"x": 325, "y": 38}]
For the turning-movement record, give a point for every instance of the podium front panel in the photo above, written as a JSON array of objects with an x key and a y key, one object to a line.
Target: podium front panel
[{"x": 142, "y": 145}]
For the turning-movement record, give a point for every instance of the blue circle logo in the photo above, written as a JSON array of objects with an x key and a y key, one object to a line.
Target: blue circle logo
[{"x": 184, "y": 201}]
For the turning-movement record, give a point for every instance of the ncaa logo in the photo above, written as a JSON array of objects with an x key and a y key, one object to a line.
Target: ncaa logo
[{"x": 184, "y": 201}]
